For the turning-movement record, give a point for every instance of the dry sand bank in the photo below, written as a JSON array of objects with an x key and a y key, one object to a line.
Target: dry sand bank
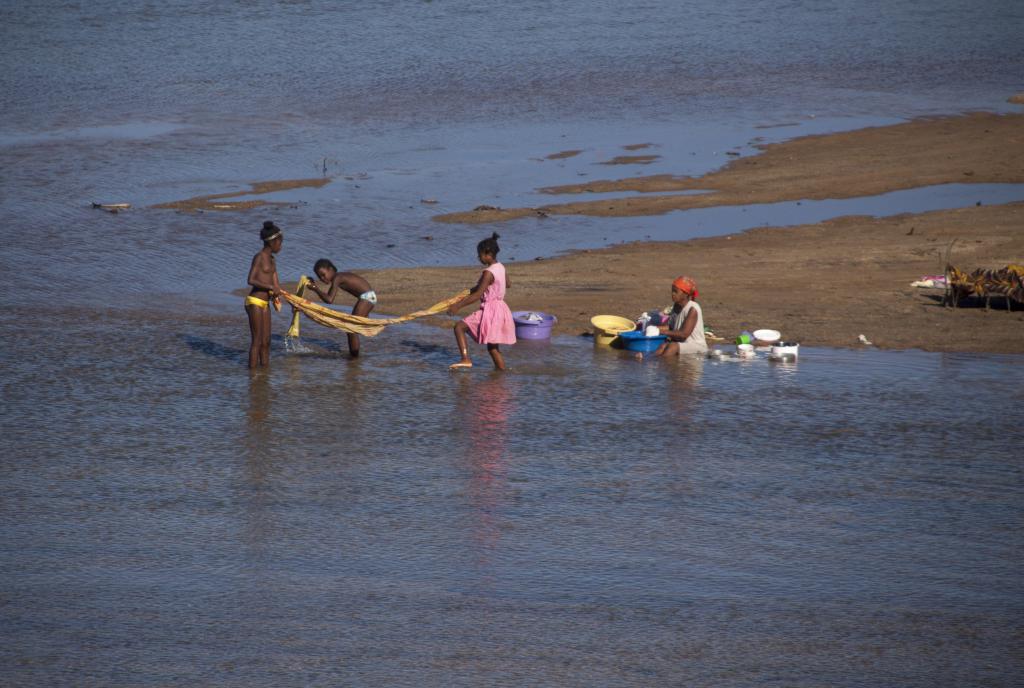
[
  {"x": 978, "y": 148},
  {"x": 820, "y": 284}
]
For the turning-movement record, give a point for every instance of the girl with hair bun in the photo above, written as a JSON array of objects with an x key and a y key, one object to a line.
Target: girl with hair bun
[
  {"x": 265, "y": 289},
  {"x": 492, "y": 324}
]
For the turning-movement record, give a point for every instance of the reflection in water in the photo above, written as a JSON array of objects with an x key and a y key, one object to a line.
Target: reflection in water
[
  {"x": 689, "y": 370},
  {"x": 486, "y": 405},
  {"x": 356, "y": 388},
  {"x": 683, "y": 387},
  {"x": 258, "y": 411},
  {"x": 259, "y": 438}
]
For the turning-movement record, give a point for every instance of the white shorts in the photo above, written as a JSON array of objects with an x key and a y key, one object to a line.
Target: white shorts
[{"x": 686, "y": 348}]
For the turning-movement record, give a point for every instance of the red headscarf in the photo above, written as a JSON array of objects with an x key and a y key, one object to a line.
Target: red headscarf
[{"x": 686, "y": 284}]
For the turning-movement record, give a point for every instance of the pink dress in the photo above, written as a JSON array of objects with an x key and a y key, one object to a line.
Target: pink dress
[{"x": 493, "y": 324}]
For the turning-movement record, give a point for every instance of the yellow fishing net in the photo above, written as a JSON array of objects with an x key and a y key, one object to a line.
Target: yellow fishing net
[
  {"x": 293, "y": 331},
  {"x": 346, "y": 322}
]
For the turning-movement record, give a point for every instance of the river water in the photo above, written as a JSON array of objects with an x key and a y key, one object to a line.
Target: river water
[{"x": 587, "y": 519}]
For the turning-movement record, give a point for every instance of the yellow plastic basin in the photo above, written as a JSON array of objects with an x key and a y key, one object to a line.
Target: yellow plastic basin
[
  {"x": 612, "y": 324},
  {"x": 608, "y": 327}
]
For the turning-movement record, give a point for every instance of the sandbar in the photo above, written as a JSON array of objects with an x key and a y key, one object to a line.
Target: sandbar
[
  {"x": 217, "y": 202},
  {"x": 631, "y": 160},
  {"x": 562, "y": 155},
  {"x": 971, "y": 148},
  {"x": 821, "y": 284}
]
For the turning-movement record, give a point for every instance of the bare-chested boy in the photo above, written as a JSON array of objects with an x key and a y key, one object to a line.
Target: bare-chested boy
[
  {"x": 347, "y": 281},
  {"x": 265, "y": 288}
]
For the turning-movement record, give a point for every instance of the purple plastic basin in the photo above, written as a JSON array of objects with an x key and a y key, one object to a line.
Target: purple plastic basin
[{"x": 530, "y": 329}]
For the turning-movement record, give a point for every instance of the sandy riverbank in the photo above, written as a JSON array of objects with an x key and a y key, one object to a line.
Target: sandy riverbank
[
  {"x": 974, "y": 148},
  {"x": 820, "y": 284}
]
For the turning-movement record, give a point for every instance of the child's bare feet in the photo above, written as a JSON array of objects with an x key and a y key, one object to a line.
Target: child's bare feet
[
  {"x": 638, "y": 356},
  {"x": 460, "y": 365}
]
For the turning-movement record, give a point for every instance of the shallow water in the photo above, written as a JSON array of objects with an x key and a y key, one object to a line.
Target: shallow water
[
  {"x": 852, "y": 519},
  {"x": 586, "y": 519},
  {"x": 455, "y": 101}
]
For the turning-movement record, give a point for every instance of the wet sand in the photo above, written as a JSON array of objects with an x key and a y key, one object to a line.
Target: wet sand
[
  {"x": 631, "y": 160},
  {"x": 562, "y": 155},
  {"x": 978, "y": 148},
  {"x": 216, "y": 202},
  {"x": 821, "y": 284}
]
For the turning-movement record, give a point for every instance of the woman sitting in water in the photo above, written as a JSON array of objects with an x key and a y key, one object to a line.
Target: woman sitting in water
[{"x": 685, "y": 329}]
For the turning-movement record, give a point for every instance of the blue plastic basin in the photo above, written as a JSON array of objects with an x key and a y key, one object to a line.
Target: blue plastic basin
[{"x": 636, "y": 341}]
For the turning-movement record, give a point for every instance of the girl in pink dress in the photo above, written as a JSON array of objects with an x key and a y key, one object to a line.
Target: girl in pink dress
[{"x": 492, "y": 324}]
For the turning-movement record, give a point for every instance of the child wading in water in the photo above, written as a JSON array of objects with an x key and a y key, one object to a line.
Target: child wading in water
[
  {"x": 492, "y": 324},
  {"x": 346, "y": 281},
  {"x": 685, "y": 329},
  {"x": 265, "y": 287}
]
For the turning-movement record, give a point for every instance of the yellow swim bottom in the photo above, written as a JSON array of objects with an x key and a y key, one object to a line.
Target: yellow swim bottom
[{"x": 253, "y": 301}]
